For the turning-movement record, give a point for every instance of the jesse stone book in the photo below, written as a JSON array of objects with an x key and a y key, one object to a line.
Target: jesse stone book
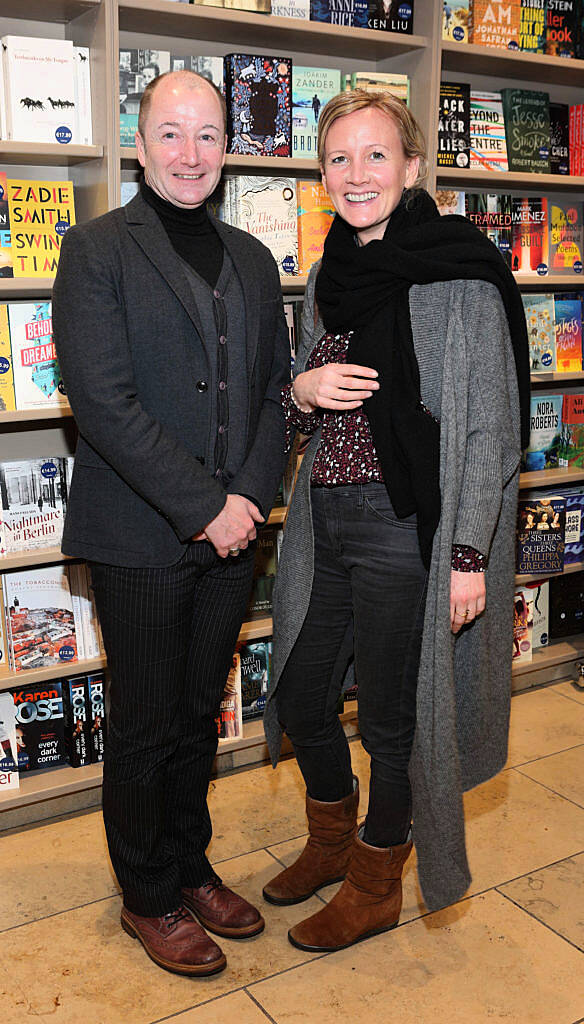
[
  {"x": 527, "y": 129},
  {"x": 454, "y": 125}
]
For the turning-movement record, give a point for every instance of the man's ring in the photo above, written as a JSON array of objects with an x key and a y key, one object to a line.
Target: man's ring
[{"x": 233, "y": 551}]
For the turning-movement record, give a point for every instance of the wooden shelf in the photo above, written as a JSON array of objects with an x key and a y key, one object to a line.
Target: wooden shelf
[
  {"x": 25, "y": 288},
  {"x": 509, "y": 180},
  {"x": 254, "y": 629},
  {"x": 23, "y": 559},
  {"x": 61, "y": 11},
  {"x": 41, "y": 675},
  {"x": 52, "y": 783},
  {"x": 159, "y": 17},
  {"x": 556, "y": 653},
  {"x": 556, "y": 378},
  {"x": 293, "y": 284},
  {"x": 548, "y": 282},
  {"x": 57, "y": 412},
  {"x": 539, "y": 577},
  {"x": 292, "y": 166},
  {"x": 277, "y": 515},
  {"x": 550, "y": 478},
  {"x": 47, "y": 153},
  {"x": 533, "y": 67}
]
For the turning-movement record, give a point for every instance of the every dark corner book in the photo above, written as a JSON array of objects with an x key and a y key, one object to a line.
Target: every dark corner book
[{"x": 258, "y": 93}]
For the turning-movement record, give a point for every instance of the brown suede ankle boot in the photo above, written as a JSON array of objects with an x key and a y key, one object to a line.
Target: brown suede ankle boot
[
  {"x": 325, "y": 858},
  {"x": 369, "y": 901}
]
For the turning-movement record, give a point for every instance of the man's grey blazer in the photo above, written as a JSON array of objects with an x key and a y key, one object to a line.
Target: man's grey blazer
[{"x": 128, "y": 338}]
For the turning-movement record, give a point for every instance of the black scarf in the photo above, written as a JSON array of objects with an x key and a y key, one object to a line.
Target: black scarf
[{"x": 366, "y": 290}]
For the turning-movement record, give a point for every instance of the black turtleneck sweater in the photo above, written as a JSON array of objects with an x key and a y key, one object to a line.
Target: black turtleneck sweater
[{"x": 191, "y": 234}]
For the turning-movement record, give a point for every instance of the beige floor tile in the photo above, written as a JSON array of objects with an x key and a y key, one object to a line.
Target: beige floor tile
[
  {"x": 568, "y": 690},
  {"x": 237, "y": 1008},
  {"x": 80, "y": 966},
  {"x": 563, "y": 773},
  {"x": 71, "y": 867},
  {"x": 15, "y": 1007},
  {"x": 479, "y": 962},
  {"x": 555, "y": 896},
  {"x": 543, "y": 722}
]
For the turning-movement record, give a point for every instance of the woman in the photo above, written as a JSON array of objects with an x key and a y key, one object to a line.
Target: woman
[{"x": 414, "y": 342}]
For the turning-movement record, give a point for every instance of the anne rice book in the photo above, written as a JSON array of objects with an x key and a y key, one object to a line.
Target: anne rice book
[
  {"x": 37, "y": 377},
  {"x": 495, "y": 23},
  {"x": 545, "y": 437},
  {"x": 541, "y": 523},
  {"x": 40, "y": 620},
  {"x": 32, "y": 503},
  {"x": 266, "y": 207},
  {"x": 312, "y": 88},
  {"x": 39, "y": 87},
  {"x": 258, "y": 93},
  {"x": 530, "y": 235},
  {"x": 391, "y": 16},
  {"x": 137, "y": 68},
  {"x": 539, "y": 317},
  {"x": 566, "y": 235},
  {"x": 527, "y": 130},
  {"x": 532, "y": 21},
  {"x": 488, "y": 146},
  {"x": 351, "y": 13},
  {"x": 455, "y": 17},
  {"x": 6, "y": 268},
  {"x": 315, "y": 216},
  {"x": 40, "y": 214},
  {"x": 229, "y": 720},
  {"x": 7, "y": 396}
]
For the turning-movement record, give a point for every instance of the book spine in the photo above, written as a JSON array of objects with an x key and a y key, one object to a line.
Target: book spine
[
  {"x": 76, "y": 716},
  {"x": 83, "y": 124},
  {"x": 97, "y": 722},
  {"x": 73, "y": 571}
]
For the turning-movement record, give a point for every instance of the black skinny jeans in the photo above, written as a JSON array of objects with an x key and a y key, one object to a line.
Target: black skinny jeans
[{"x": 369, "y": 581}]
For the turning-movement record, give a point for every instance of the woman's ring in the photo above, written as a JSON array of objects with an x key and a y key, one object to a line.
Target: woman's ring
[
  {"x": 233, "y": 551},
  {"x": 466, "y": 613}
]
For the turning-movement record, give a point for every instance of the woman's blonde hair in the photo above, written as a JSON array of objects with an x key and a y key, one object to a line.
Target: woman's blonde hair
[{"x": 409, "y": 130}]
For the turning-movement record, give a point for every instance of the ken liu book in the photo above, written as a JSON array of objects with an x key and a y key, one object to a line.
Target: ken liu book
[
  {"x": 315, "y": 216},
  {"x": 491, "y": 213},
  {"x": 76, "y": 720},
  {"x": 350, "y": 13},
  {"x": 454, "y": 125},
  {"x": 568, "y": 319},
  {"x": 312, "y": 88},
  {"x": 258, "y": 93},
  {"x": 6, "y": 268},
  {"x": 455, "y": 17},
  {"x": 527, "y": 130},
  {"x": 37, "y": 377},
  {"x": 488, "y": 145},
  {"x": 559, "y": 138},
  {"x": 391, "y": 16},
  {"x": 539, "y": 318},
  {"x": 566, "y": 235},
  {"x": 562, "y": 25},
  {"x": 541, "y": 522},
  {"x": 529, "y": 235},
  {"x": 572, "y": 451},
  {"x": 532, "y": 26},
  {"x": 495, "y": 23},
  {"x": 40, "y": 214},
  {"x": 97, "y": 716},
  {"x": 545, "y": 432}
]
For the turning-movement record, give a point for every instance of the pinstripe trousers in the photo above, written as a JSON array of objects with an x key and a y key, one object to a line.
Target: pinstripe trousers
[{"x": 169, "y": 635}]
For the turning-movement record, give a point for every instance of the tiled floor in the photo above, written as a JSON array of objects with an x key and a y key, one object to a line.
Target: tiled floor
[{"x": 512, "y": 951}]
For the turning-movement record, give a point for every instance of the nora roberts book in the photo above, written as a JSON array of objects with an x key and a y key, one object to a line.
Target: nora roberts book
[{"x": 527, "y": 129}]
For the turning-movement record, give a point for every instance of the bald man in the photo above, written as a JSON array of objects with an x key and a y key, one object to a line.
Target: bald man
[{"x": 173, "y": 345}]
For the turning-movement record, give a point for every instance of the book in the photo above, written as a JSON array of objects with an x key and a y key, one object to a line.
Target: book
[
  {"x": 522, "y": 625},
  {"x": 210, "y": 68},
  {"x": 40, "y": 214},
  {"x": 315, "y": 216},
  {"x": 568, "y": 321},
  {"x": 541, "y": 523},
  {"x": 539, "y": 317},
  {"x": 266, "y": 208},
  {"x": 6, "y": 267},
  {"x": 32, "y": 506},
  {"x": 291, "y": 8},
  {"x": 4, "y": 652},
  {"x": 529, "y": 235},
  {"x": 289, "y": 314},
  {"x": 40, "y": 620},
  {"x": 312, "y": 88},
  {"x": 37, "y": 377},
  {"x": 264, "y": 573},
  {"x": 492, "y": 213},
  {"x": 136, "y": 69},
  {"x": 391, "y": 16},
  {"x": 488, "y": 145},
  {"x": 97, "y": 716},
  {"x": 2, "y": 97},
  {"x": 532, "y": 25},
  {"x": 379, "y": 81},
  {"x": 229, "y": 720},
  {"x": 450, "y": 201},
  {"x": 350, "y": 13},
  {"x": 495, "y": 23},
  {"x": 572, "y": 450},
  {"x": 76, "y": 721},
  {"x": 559, "y": 138},
  {"x": 574, "y": 535},
  {"x": 562, "y": 27},
  {"x": 576, "y": 138},
  {"x": 39, "y": 89},
  {"x": 255, "y": 659},
  {"x": 543, "y": 451},
  {"x": 86, "y": 621},
  {"x": 527, "y": 130},
  {"x": 40, "y": 726},
  {"x": 7, "y": 395},
  {"x": 9, "y": 777},
  {"x": 566, "y": 234},
  {"x": 454, "y": 125},
  {"x": 258, "y": 93},
  {"x": 455, "y": 18},
  {"x": 566, "y": 605},
  {"x": 83, "y": 124},
  {"x": 541, "y": 614}
]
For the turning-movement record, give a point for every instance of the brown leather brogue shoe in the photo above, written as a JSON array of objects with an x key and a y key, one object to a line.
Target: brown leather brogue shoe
[
  {"x": 368, "y": 902},
  {"x": 222, "y": 911},
  {"x": 325, "y": 858},
  {"x": 176, "y": 942}
]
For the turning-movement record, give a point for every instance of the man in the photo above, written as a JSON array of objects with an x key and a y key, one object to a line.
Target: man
[{"x": 173, "y": 345}]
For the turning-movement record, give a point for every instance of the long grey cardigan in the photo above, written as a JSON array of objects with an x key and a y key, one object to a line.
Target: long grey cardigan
[{"x": 468, "y": 381}]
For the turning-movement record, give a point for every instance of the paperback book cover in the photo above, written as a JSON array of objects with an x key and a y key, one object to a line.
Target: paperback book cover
[
  {"x": 137, "y": 68},
  {"x": 315, "y": 216},
  {"x": 455, "y": 19},
  {"x": 566, "y": 605},
  {"x": 32, "y": 503},
  {"x": 527, "y": 130},
  {"x": 40, "y": 732},
  {"x": 83, "y": 118},
  {"x": 40, "y": 214},
  {"x": 539, "y": 317},
  {"x": 495, "y": 23},
  {"x": 545, "y": 436},
  {"x": 574, "y": 551},
  {"x": 492, "y": 213},
  {"x": 7, "y": 396},
  {"x": 255, "y": 675},
  {"x": 291, "y": 8},
  {"x": 266, "y": 208},
  {"x": 351, "y": 13},
  {"x": 37, "y": 377},
  {"x": 454, "y": 125},
  {"x": 6, "y": 268},
  {"x": 532, "y": 26},
  {"x": 559, "y": 138},
  {"x": 450, "y": 201},
  {"x": 41, "y": 624},
  {"x": 229, "y": 720},
  {"x": 541, "y": 613},
  {"x": 541, "y": 528},
  {"x": 210, "y": 68},
  {"x": 391, "y": 16},
  {"x": 568, "y": 318},
  {"x": 4, "y": 658},
  {"x": 488, "y": 145},
  {"x": 39, "y": 89},
  {"x": 522, "y": 625},
  {"x": 97, "y": 717},
  {"x": 572, "y": 450},
  {"x": 9, "y": 777},
  {"x": 289, "y": 313},
  {"x": 530, "y": 235},
  {"x": 562, "y": 25},
  {"x": 76, "y": 721},
  {"x": 312, "y": 88},
  {"x": 264, "y": 573},
  {"x": 381, "y": 81},
  {"x": 258, "y": 92},
  {"x": 566, "y": 235}
]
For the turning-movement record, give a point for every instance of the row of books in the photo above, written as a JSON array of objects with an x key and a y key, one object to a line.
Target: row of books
[
  {"x": 45, "y": 91},
  {"x": 34, "y": 216},
  {"x": 554, "y": 27},
  {"x": 246, "y": 688},
  {"x": 29, "y": 371},
  {"x": 534, "y": 234},
  {"x": 550, "y": 530},
  {"x": 556, "y": 438},
  {"x": 554, "y": 327},
  {"x": 383, "y": 15},
  {"x": 544, "y": 611},
  {"x": 511, "y": 130}
]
